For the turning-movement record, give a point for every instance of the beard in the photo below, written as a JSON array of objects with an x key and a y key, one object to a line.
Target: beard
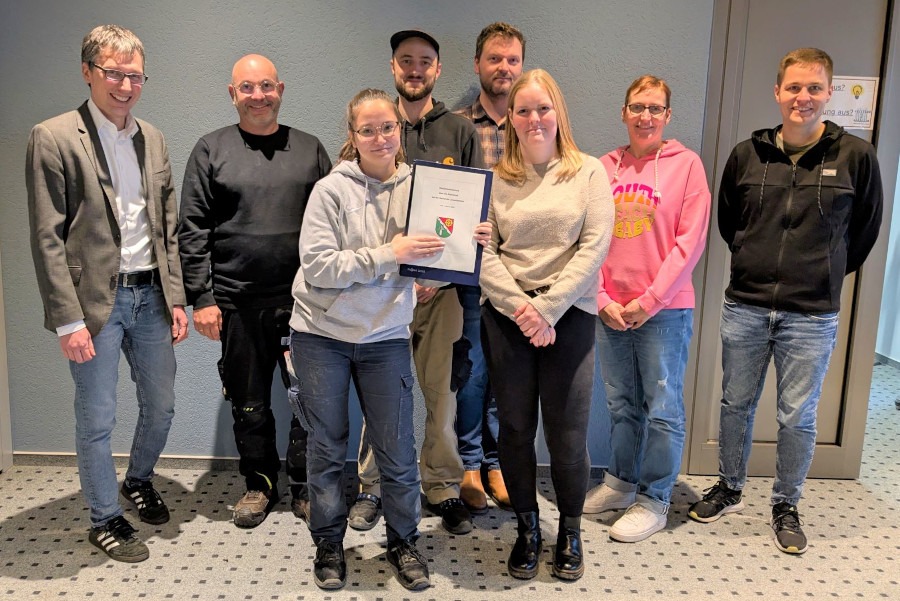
[
  {"x": 413, "y": 95},
  {"x": 496, "y": 88}
]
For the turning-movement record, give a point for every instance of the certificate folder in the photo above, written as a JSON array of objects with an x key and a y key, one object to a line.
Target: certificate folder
[{"x": 448, "y": 201}]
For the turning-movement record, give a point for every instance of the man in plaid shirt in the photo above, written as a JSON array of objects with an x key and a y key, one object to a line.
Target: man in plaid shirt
[
  {"x": 499, "y": 51},
  {"x": 499, "y": 54}
]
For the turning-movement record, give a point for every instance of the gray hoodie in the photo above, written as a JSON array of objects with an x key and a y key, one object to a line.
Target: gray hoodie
[{"x": 348, "y": 287}]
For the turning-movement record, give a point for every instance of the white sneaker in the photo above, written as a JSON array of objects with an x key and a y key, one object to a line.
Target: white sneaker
[
  {"x": 638, "y": 523},
  {"x": 604, "y": 498}
]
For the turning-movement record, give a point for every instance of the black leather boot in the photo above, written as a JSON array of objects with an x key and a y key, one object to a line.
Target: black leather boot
[
  {"x": 526, "y": 553},
  {"x": 568, "y": 563}
]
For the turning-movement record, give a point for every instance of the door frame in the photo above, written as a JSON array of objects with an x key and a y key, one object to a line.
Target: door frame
[
  {"x": 5, "y": 418},
  {"x": 843, "y": 459}
]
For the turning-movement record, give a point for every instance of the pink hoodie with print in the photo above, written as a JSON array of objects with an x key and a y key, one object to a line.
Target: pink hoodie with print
[{"x": 662, "y": 205}]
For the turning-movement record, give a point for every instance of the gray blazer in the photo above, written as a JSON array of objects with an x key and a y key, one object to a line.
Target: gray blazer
[{"x": 75, "y": 237}]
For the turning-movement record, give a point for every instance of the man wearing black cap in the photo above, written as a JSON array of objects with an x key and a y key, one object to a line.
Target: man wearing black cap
[{"x": 432, "y": 133}]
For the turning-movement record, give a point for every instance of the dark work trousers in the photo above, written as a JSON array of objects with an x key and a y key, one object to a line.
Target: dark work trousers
[
  {"x": 560, "y": 379},
  {"x": 253, "y": 344}
]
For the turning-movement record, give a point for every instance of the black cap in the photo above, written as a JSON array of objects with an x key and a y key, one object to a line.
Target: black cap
[{"x": 413, "y": 33}]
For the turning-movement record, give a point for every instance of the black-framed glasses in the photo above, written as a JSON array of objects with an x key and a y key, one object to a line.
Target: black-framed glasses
[
  {"x": 136, "y": 79},
  {"x": 655, "y": 109},
  {"x": 385, "y": 129},
  {"x": 266, "y": 86}
]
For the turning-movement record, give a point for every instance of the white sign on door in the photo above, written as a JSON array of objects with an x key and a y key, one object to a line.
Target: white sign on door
[{"x": 853, "y": 101}]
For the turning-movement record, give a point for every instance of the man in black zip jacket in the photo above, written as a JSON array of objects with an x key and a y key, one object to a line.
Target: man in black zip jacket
[{"x": 800, "y": 207}]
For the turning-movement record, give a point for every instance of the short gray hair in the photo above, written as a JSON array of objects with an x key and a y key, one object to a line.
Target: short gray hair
[{"x": 118, "y": 40}]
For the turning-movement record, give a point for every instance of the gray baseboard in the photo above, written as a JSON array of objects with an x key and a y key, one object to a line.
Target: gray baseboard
[
  {"x": 197, "y": 463},
  {"x": 884, "y": 360}
]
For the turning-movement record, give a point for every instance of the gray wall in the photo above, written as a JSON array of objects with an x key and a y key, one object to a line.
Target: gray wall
[{"x": 325, "y": 52}]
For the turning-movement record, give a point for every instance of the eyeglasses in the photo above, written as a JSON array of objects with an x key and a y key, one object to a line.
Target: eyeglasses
[
  {"x": 655, "y": 109},
  {"x": 136, "y": 79},
  {"x": 385, "y": 129},
  {"x": 266, "y": 86}
]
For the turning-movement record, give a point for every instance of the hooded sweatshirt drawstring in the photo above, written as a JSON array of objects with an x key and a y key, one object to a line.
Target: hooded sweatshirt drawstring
[
  {"x": 818, "y": 185},
  {"x": 384, "y": 237},
  {"x": 422, "y": 135},
  {"x": 763, "y": 186},
  {"x": 403, "y": 135},
  {"x": 657, "y": 195},
  {"x": 394, "y": 179}
]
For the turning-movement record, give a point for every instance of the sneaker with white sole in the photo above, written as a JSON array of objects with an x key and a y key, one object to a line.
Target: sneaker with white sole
[
  {"x": 638, "y": 523},
  {"x": 603, "y": 497},
  {"x": 786, "y": 523},
  {"x": 117, "y": 539},
  {"x": 717, "y": 501},
  {"x": 150, "y": 506}
]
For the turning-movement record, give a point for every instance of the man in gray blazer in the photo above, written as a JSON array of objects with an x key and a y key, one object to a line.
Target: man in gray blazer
[{"x": 102, "y": 213}]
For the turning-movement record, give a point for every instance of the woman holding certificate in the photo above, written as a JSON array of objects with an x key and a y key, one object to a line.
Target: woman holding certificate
[
  {"x": 646, "y": 302},
  {"x": 352, "y": 311},
  {"x": 552, "y": 216}
]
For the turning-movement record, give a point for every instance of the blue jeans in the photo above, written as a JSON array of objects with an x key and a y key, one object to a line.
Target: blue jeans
[
  {"x": 801, "y": 345},
  {"x": 643, "y": 373},
  {"x": 383, "y": 377},
  {"x": 477, "y": 427},
  {"x": 138, "y": 325}
]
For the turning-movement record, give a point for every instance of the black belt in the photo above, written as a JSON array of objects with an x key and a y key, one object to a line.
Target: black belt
[
  {"x": 139, "y": 278},
  {"x": 537, "y": 291}
]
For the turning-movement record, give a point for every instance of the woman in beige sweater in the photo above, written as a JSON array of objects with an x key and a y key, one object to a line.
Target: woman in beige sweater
[{"x": 552, "y": 214}]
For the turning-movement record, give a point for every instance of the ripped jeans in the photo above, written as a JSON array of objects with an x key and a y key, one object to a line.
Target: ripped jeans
[{"x": 643, "y": 374}]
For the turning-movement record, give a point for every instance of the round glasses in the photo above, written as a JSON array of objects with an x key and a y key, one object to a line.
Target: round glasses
[{"x": 385, "y": 129}]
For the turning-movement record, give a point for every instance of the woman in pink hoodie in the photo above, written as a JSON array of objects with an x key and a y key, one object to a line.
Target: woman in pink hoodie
[{"x": 646, "y": 302}]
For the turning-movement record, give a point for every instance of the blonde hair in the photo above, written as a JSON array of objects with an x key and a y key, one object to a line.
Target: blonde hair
[
  {"x": 512, "y": 166},
  {"x": 348, "y": 151}
]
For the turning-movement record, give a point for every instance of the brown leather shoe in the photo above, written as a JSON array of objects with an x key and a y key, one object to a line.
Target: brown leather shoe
[
  {"x": 471, "y": 492},
  {"x": 497, "y": 489}
]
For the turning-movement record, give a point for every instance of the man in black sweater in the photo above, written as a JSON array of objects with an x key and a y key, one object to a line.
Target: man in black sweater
[{"x": 244, "y": 193}]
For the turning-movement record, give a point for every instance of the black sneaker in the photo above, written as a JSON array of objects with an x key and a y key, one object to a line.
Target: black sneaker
[
  {"x": 410, "y": 566},
  {"x": 116, "y": 538},
  {"x": 455, "y": 518},
  {"x": 717, "y": 501},
  {"x": 365, "y": 512},
  {"x": 786, "y": 522},
  {"x": 329, "y": 567},
  {"x": 150, "y": 506}
]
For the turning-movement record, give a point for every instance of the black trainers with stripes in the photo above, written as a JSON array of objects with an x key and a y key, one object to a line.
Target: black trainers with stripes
[
  {"x": 786, "y": 522},
  {"x": 149, "y": 504},
  {"x": 717, "y": 501},
  {"x": 117, "y": 539}
]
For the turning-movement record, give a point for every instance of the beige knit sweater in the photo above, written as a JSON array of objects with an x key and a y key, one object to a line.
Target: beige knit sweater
[{"x": 548, "y": 232}]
